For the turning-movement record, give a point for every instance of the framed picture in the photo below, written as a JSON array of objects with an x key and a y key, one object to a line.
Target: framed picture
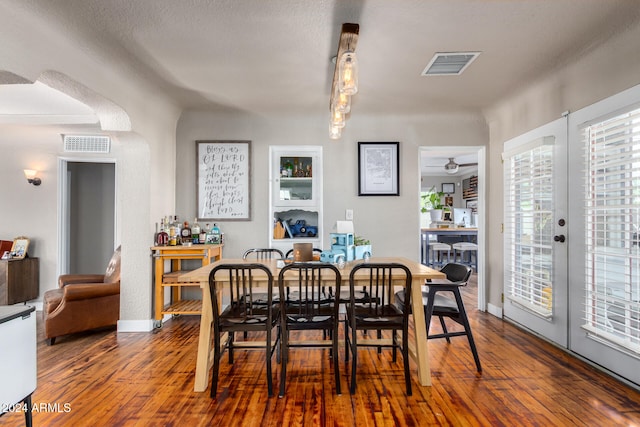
[
  {"x": 472, "y": 204},
  {"x": 378, "y": 169},
  {"x": 223, "y": 180},
  {"x": 448, "y": 188},
  {"x": 19, "y": 248}
]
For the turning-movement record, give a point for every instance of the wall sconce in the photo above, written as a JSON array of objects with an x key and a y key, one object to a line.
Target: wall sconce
[
  {"x": 345, "y": 79},
  {"x": 31, "y": 177}
]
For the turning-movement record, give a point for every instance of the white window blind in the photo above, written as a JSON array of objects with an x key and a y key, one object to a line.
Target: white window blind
[
  {"x": 612, "y": 208},
  {"x": 528, "y": 231}
]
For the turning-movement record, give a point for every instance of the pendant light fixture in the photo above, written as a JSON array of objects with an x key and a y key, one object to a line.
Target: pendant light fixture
[
  {"x": 345, "y": 79},
  {"x": 348, "y": 74}
]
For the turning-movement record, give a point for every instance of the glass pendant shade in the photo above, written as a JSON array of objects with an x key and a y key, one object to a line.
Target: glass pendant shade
[
  {"x": 337, "y": 118},
  {"x": 342, "y": 101},
  {"x": 348, "y": 73},
  {"x": 335, "y": 132}
]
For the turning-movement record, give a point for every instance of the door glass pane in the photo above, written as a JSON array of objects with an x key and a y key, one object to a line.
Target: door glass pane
[
  {"x": 612, "y": 202},
  {"x": 296, "y": 181},
  {"x": 529, "y": 207}
]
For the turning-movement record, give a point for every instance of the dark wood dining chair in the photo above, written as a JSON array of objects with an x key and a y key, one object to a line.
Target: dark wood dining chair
[
  {"x": 241, "y": 315},
  {"x": 378, "y": 313},
  {"x": 312, "y": 309},
  {"x": 436, "y": 304}
]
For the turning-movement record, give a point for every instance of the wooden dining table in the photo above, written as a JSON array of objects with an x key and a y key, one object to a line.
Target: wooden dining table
[{"x": 418, "y": 348}]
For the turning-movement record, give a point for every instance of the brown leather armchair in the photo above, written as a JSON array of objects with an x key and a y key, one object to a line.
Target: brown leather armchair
[{"x": 83, "y": 302}]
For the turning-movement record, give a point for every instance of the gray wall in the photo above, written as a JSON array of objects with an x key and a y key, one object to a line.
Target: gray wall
[{"x": 391, "y": 223}]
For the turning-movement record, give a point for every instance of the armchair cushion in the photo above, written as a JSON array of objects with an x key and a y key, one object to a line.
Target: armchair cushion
[{"x": 83, "y": 302}]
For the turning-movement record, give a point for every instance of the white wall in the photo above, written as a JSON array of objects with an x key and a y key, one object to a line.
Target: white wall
[{"x": 391, "y": 223}]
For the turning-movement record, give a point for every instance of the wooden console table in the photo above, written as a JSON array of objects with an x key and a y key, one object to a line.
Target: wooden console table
[
  {"x": 176, "y": 254},
  {"x": 19, "y": 280}
]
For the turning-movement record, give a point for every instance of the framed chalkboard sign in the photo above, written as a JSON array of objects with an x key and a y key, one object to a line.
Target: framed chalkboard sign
[{"x": 223, "y": 181}]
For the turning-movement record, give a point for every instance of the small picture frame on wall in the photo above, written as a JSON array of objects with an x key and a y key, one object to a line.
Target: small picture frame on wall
[
  {"x": 378, "y": 169},
  {"x": 19, "y": 248},
  {"x": 448, "y": 188}
]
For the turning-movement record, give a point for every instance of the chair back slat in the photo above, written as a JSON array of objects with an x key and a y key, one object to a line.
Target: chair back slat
[{"x": 263, "y": 253}]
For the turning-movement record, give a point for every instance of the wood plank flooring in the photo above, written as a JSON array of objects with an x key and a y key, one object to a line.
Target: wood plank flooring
[{"x": 146, "y": 379}]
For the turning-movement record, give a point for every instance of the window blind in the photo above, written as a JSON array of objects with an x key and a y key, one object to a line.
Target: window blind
[
  {"x": 528, "y": 231},
  {"x": 612, "y": 209}
]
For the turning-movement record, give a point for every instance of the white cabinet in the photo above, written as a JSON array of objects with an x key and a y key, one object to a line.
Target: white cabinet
[
  {"x": 18, "y": 358},
  {"x": 295, "y": 196}
]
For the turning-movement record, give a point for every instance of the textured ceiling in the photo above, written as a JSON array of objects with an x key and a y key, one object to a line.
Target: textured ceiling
[{"x": 274, "y": 56}]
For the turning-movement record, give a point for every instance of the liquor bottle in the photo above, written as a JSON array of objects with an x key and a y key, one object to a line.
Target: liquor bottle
[
  {"x": 300, "y": 173},
  {"x": 289, "y": 167},
  {"x": 195, "y": 231},
  {"x": 185, "y": 233},
  {"x": 203, "y": 233},
  {"x": 162, "y": 237},
  {"x": 174, "y": 232},
  {"x": 217, "y": 236}
]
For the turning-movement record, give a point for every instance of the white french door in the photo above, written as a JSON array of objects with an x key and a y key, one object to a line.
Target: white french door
[
  {"x": 605, "y": 258},
  {"x": 535, "y": 224}
]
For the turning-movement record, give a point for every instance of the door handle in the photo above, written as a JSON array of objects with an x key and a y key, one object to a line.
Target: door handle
[{"x": 559, "y": 238}]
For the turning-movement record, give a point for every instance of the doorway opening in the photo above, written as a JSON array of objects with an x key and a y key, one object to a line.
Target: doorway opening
[
  {"x": 87, "y": 220},
  {"x": 449, "y": 170}
]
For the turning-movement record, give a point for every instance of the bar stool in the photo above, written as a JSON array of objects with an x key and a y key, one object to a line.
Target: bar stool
[
  {"x": 469, "y": 247},
  {"x": 437, "y": 254}
]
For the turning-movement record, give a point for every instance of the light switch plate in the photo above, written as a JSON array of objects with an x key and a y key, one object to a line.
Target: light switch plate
[{"x": 349, "y": 215}]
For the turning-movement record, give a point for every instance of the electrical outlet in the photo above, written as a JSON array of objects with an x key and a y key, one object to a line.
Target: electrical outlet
[{"x": 349, "y": 215}]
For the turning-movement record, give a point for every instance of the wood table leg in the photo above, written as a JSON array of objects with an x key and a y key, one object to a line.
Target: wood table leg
[
  {"x": 159, "y": 296},
  {"x": 420, "y": 333},
  {"x": 204, "y": 341}
]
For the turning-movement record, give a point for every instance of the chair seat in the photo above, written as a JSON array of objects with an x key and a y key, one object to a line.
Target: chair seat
[
  {"x": 235, "y": 316},
  {"x": 465, "y": 246},
  {"x": 440, "y": 302},
  {"x": 437, "y": 246},
  {"x": 386, "y": 317}
]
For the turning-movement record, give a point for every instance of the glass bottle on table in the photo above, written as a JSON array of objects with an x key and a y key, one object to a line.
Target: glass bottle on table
[
  {"x": 185, "y": 233},
  {"x": 195, "y": 231},
  {"x": 217, "y": 236}
]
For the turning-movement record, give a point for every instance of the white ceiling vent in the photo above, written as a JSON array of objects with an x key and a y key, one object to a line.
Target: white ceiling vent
[
  {"x": 449, "y": 63},
  {"x": 86, "y": 143}
]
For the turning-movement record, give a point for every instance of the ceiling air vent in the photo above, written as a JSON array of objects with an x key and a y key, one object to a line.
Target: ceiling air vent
[
  {"x": 449, "y": 63},
  {"x": 86, "y": 143}
]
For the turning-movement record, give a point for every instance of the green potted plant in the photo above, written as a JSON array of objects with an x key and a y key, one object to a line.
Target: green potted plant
[{"x": 431, "y": 202}]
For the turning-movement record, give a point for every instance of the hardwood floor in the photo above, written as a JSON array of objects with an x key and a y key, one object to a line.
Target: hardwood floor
[{"x": 140, "y": 379}]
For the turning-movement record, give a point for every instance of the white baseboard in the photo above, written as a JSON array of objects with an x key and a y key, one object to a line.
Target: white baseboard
[
  {"x": 135, "y": 325},
  {"x": 495, "y": 310}
]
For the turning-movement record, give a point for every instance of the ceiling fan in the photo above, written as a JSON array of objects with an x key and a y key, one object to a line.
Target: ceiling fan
[{"x": 452, "y": 166}]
